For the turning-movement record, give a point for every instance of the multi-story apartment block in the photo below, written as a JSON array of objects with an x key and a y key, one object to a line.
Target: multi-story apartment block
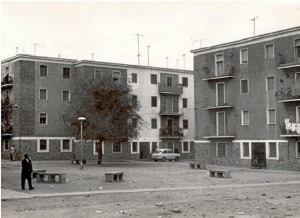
[
  {"x": 39, "y": 91},
  {"x": 247, "y": 100}
]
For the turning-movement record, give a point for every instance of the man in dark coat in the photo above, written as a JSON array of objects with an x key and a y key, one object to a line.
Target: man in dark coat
[{"x": 26, "y": 172}]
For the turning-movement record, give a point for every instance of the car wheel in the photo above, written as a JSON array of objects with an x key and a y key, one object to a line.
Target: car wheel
[
  {"x": 176, "y": 158},
  {"x": 155, "y": 160},
  {"x": 163, "y": 159}
]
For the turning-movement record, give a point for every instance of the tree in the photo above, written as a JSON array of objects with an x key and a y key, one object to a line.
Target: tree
[
  {"x": 109, "y": 109},
  {"x": 6, "y": 115}
]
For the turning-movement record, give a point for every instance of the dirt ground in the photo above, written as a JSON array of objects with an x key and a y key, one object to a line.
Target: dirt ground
[{"x": 163, "y": 189}]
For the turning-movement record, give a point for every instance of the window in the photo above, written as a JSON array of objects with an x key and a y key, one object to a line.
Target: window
[
  {"x": 117, "y": 147},
  {"x": 269, "y": 51},
  {"x": 219, "y": 64},
  {"x": 116, "y": 75},
  {"x": 271, "y": 116},
  {"x": 221, "y": 149},
  {"x": 245, "y": 118},
  {"x": 134, "y": 122},
  {"x": 97, "y": 74},
  {"x": 245, "y": 150},
  {"x": 66, "y": 145},
  {"x": 134, "y": 147},
  {"x": 134, "y": 77},
  {"x": 66, "y": 96},
  {"x": 43, "y": 118},
  {"x": 185, "y": 82},
  {"x": 185, "y": 124},
  {"x": 97, "y": 146},
  {"x": 244, "y": 86},
  {"x": 66, "y": 72},
  {"x": 153, "y": 101},
  {"x": 244, "y": 56},
  {"x": 5, "y": 148},
  {"x": 153, "y": 123},
  {"x": 43, "y": 145},
  {"x": 65, "y": 119},
  {"x": 270, "y": 83},
  {"x": 297, "y": 49},
  {"x": 154, "y": 79},
  {"x": 272, "y": 150},
  {"x": 184, "y": 102},
  {"x": 169, "y": 81},
  {"x": 298, "y": 149},
  {"x": 43, "y": 70},
  {"x": 185, "y": 147},
  {"x": 43, "y": 94},
  {"x": 134, "y": 100}
]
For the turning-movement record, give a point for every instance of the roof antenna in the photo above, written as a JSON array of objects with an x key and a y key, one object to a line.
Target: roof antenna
[
  {"x": 183, "y": 61},
  {"x": 253, "y": 19},
  {"x": 138, "y": 41},
  {"x": 167, "y": 61},
  {"x": 92, "y": 56},
  {"x": 17, "y": 48},
  {"x": 148, "y": 55},
  {"x": 35, "y": 45}
]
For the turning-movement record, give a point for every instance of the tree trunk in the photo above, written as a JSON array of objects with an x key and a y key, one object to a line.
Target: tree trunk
[{"x": 99, "y": 160}]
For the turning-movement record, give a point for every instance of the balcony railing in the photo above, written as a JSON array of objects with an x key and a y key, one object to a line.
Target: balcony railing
[
  {"x": 7, "y": 81},
  {"x": 210, "y": 132},
  {"x": 213, "y": 104},
  {"x": 171, "y": 133},
  {"x": 173, "y": 112},
  {"x": 174, "y": 89},
  {"x": 285, "y": 95},
  {"x": 289, "y": 129},
  {"x": 285, "y": 64},
  {"x": 213, "y": 73}
]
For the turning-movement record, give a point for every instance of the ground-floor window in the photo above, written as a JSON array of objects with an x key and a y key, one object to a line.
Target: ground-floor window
[
  {"x": 298, "y": 149},
  {"x": 66, "y": 145},
  {"x": 221, "y": 149},
  {"x": 272, "y": 150},
  {"x": 43, "y": 145},
  {"x": 245, "y": 150},
  {"x": 96, "y": 147},
  {"x": 117, "y": 147},
  {"x": 134, "y": 147},
  {"x": 185, "y": 147}
]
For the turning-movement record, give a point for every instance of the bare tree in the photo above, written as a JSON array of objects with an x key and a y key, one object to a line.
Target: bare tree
[{"x": 110, "y": 110}]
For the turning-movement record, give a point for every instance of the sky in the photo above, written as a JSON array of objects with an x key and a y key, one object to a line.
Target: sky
[{"x": 107, "y": 30}]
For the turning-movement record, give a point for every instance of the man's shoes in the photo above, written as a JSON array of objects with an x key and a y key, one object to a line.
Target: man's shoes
[{"x": 31, "y": 188}]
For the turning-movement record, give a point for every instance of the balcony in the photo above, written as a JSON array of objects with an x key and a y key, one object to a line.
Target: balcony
[
  {"x": 215, "y": 74},
  {"x": 288, "y": 95},
  {"x": 7, "y": 82},
  {"x": 170, "y": 133},
  {"x": 288, "y": 64},
  {"x": 174, "y": 112},
  {"x": 175, "y": 89},
  {"x": 210, "y": 132},
  {"x": 213, "y": 104},
  {"x": 289, "y": 129},
  {"x": 6, "y": 132}
]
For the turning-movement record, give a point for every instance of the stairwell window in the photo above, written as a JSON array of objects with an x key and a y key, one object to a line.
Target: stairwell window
[
  {"x": 43, "y": 94},
  {"x": 271, "y": 116},
  {"x": 43, "y": 118},
  {"x": 244, "y": 85},
  {"x": 185, "y": 124},
  {"x": 221, "y": 149},
  {"x": 66, "y": 95},
  {"x": 43, "y": 71},
  {"x": 270, "y": 83},
  {"x": 66, "y": 73},
  {"x": 153, "y": 101},
  {"x": 154, "y": 123},
  {"x": 184, "y": 102},
  {"x": 244, "y": 56},
  {"x": 245, "y": 118},
  {"x": 269, "y": 51}
]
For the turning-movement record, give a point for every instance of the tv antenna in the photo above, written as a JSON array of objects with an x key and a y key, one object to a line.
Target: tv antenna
[
  {"x": 167, "y": 58},
  {"x": 254, "y": 19},
  {"x": 183, "y": 61},
  {"x": 92, "y": 56},
  {"x": 17, "y": 48},
  {"x": 148, "y": 55},
  {"x": 138, "y": 41},
  {"x": 177, "y": 60},
  {"x": 199, "y": 40},
  {"x": 35, "y": 46}
]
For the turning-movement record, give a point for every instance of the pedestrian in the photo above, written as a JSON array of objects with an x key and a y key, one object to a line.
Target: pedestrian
[
  {"x": 26, "y": 172},
  {"x": 12, "y": 153}
]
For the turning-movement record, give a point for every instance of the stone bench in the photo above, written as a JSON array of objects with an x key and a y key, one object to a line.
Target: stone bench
[
  {"x": 51, "y": 178},
  {"x": 197, "y": 165},
  {"x": 77, "y": 162},
  {"x": 36, "y": 171},
  {"x": 114, "y": 176},
  {"x": 220, "y": 173}
]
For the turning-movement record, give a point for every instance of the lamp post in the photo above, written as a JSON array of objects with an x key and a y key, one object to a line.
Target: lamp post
[{"x": 81, "y": 120}]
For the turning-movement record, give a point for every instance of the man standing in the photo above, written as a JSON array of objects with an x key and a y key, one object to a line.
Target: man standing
[{"x": 26, "y": 172}]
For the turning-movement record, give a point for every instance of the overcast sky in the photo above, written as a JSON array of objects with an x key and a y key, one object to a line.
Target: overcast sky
[{"x": 108, "y": 29}]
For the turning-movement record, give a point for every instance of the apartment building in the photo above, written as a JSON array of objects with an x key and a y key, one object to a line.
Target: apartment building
[
  {"x": 247, "y": 100},
  {"x": 38, "y": 92}
]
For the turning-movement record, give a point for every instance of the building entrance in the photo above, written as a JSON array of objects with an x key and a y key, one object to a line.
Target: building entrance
[
  {"x": 145, "y": 150},
  {"x": 258, "y": 155}
]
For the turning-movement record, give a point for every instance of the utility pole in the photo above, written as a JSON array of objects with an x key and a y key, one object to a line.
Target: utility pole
[
  {"x": 167, "y": 61},
  {"x": 148, "y": 55},
  {"x": 254, "y": 19},
  {"x": 183, "y": 61},
  {"x": 138, "y": 41}
]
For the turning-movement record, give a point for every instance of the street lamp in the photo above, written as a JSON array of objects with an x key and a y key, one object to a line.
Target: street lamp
[{"x": 81, "y": 119}]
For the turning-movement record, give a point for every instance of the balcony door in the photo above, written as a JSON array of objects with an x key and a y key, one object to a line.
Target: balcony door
[
  {"x": 297, "y": 83},
  {"x": 221, "y": 125},
  {"x": 170, "y": 126},
  {"x": 169, "y": 104},
  {"x": 220, "y": 94}
]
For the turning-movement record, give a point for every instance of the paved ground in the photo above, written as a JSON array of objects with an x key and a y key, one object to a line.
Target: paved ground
[{"x": 150, "y": 189}]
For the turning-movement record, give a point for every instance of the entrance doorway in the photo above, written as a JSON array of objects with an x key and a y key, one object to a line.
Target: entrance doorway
[
  {"x": 259, "y": 155},
  {"x": 145, "y": 150}
]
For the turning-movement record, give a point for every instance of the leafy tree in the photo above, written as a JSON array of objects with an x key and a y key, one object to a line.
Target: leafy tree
[
  {"x": 110, "y": 113},
  {"x": 6, "y": 115}
]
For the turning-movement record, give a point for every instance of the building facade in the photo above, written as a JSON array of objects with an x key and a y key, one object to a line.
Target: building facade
[
  {"x": 247, "y": 100},
  {"x": 38, "y": 92}
]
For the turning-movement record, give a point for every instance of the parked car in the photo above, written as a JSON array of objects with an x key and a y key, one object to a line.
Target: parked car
[{"x": 165, "y": 154}]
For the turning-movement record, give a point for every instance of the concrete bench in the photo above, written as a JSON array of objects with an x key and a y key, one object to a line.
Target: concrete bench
[
  {"x": 197, "y": 165},
  {"x": 77, "y": 162},
  {"x": 114, "y": 176},
  {"x": 36, "y": 171},
  {"x": 220, "y": 173},
  {"x": 51, "y": 178}
]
